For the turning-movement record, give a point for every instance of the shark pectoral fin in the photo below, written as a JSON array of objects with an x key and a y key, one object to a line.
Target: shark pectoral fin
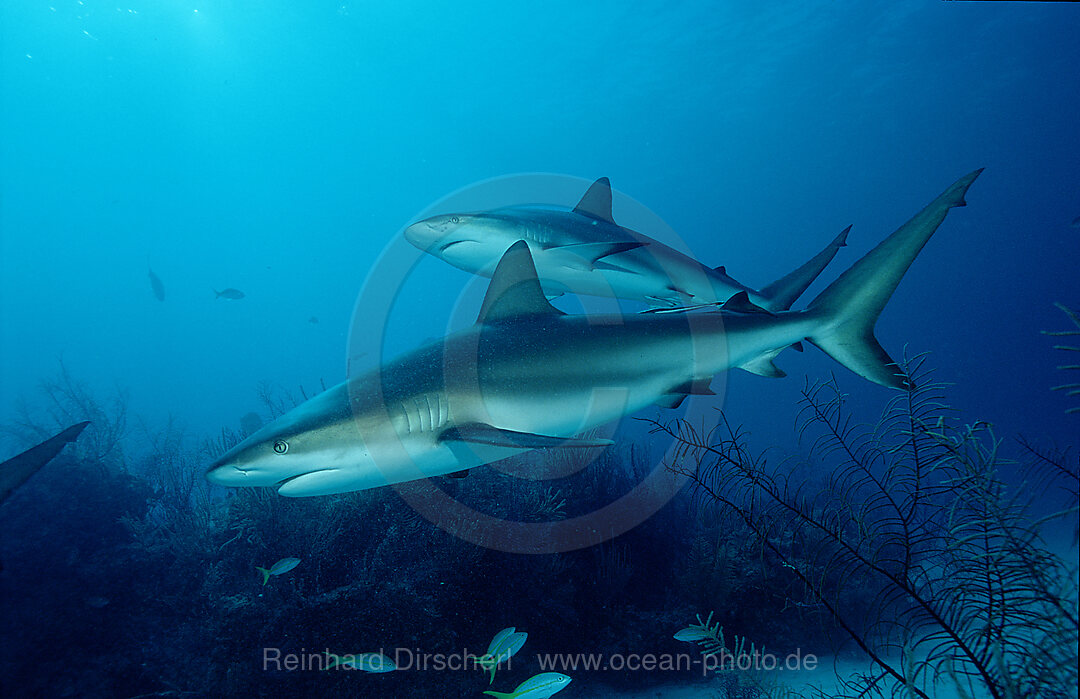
[
  {"x": 480, "y": 433},
  {"x": 762, "y": 365},
  {"x": 585, "y": 256},
  {"x": 741, "y": 303},
  {"x": 597, "y": 201}
]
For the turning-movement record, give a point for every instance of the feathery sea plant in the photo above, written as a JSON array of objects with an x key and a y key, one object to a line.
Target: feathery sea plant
[
  {"x": 915, "y": 546},
  {"x": 1071, "y": 389},
  {"x": 66, "y": 401}
]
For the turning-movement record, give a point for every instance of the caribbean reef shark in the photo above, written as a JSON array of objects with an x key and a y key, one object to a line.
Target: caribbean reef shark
[
  {"x": 528, "y": 376},
  {"x": 16, "y": 470},
  {"x": 584, "y": 251}
]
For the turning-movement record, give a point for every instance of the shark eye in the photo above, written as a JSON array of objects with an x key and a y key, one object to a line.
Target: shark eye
[
  {"x": 281, "y": 446},
  {"x": 455, "y": 219}
]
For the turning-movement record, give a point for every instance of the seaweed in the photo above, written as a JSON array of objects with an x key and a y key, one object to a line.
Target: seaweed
[
  {"x": 914, "y": 546},
  {"x": 1071, "y": 389}
]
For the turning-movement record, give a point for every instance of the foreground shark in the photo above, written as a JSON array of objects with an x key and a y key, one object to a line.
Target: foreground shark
[
  {"x": 16, "y": 470},
  {"x": 527, "y": 376},
  {"x": 584, "y": 251}
]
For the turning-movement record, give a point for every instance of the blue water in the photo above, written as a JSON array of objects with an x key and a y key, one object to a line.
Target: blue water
[{"x": 277, "y": 148}]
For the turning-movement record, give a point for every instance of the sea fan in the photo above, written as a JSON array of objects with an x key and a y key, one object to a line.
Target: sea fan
[
  {"x": 914, "y": 546},
  {"x": 1071, "y": 389}
]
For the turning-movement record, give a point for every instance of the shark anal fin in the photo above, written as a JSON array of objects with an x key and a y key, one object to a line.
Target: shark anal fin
[
  {"x": 458, "y": 474},
  {"x": 670, "y": 401},
  {"x": 481, "y": 433},
  {"x": 698, "y": 387},
  {"x": 764, "y": 367},
  {"x": 597, "y": 201}
]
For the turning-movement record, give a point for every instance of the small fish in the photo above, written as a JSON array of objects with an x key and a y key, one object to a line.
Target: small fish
[
  {"x": 230, "y": 293},
  {"x": 692, "y": 634},
  {"x": 157, "y": 286},
  {"x": 539, "y": 686},
  {"x": 502, "y": 648},
  {"x": 250, "y": 424},
  {"x": 280, "y": 568},
  {"x": 313, "y": 320},
  {"x": 97, "y": 602},
  {"x": 368, "y": 662}
]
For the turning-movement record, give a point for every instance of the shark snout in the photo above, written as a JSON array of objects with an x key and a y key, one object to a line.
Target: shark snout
[
  {"x": 440, "y": 230},
  {"x": 227, "y": 475},
  {"x": 424, "y": 233},
  {"x": 240, "y": 469}
]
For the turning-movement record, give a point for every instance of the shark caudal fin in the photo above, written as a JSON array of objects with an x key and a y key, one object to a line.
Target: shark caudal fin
[
  {"x": 850, "y": 305},
  {"x": 783, "y": 292}
]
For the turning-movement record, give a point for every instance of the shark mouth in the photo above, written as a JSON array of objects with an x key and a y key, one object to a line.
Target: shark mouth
[
  {"x": 285, "y": 481},
  {"x": 315, "y": 482},
  {"x": 452, "y": 243}
]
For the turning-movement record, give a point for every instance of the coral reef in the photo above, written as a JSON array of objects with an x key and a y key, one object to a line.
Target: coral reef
[{"x": 129, "y": 575}]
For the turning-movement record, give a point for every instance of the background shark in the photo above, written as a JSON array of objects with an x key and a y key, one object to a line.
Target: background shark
[
  {"x": 528, "y": 376},
  {"x": 16, "y": 470},
  {"x": 584, "y": 251}
]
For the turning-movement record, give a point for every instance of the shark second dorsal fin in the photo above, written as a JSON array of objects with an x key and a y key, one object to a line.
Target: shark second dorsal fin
[
  {"x": 741, "y": 303},
  {"x": 597, "y": 201},
  {"x": 515, "y": 289}
]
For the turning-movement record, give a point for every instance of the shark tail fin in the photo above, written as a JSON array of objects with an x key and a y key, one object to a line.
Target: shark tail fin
[
  {"x": 265, "y": 573},
  {"x": 782, "y": 293},
  {"x": 850, "y": 306}
]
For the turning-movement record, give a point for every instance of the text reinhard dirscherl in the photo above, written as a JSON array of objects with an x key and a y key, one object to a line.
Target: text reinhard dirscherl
[{"x": 404, "y": 659}]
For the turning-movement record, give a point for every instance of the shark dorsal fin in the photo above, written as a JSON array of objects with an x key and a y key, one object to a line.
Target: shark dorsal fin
[
  {"x": 741, "y": 303},
  {"x": 515, "y": 289},
  {"x": 721, "y": 269},
  {"x": 597, "y": 201}
]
